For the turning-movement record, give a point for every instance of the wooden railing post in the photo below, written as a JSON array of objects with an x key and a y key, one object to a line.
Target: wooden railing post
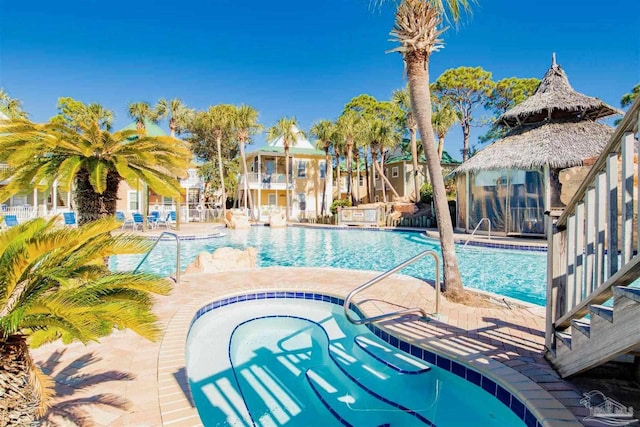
[
  {"x": 612, "y": 208},
  {"x": 628, "y": 141},
  {"x": 556, "y": 276}
]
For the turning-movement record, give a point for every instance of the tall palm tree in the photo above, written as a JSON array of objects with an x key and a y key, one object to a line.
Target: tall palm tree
[
  {"x": 218, "y": 121},
  {"x": 443, "y": 118},
  {"x": 383, "y": 133},
  {"x": 417, "y": 30},
  {"x": 96, "y": 112},
  {"x": 141, "y": 112},
  {"x": 245, "y": 125},
  {"x": 176, "y": 111},
  {"x": 57, "y": 287},
  {"x": 325, "y": 131},
  {"x": 349, "y": 126},
  {"x": 93, "y": 159},
  {"x": 11, "y": 107},
  {"x": 287, "y": 129},
  {"x": 402, "y": 99}
]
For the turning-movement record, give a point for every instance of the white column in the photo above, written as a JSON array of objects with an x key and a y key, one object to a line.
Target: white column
[{"x": 54, "y": 206}]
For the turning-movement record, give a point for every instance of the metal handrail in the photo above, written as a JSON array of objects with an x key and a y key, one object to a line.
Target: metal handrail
[
  {"x": 476, "y": 229},
  {"x": 175, "y": 236},
  {"x": 347, "y": 301}
]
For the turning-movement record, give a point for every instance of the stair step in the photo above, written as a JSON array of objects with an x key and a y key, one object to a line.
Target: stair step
[
  {"x": 602, "y": 311},
  {"x": 391, "y": 356},
  {"x": 624, "y": 291},
  {"x": 582, "y": 325},
  {"x": 565, "y": 337}
]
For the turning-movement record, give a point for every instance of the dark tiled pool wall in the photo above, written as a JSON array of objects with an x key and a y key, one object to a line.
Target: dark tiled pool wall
[{"x": 468, "y": 374}]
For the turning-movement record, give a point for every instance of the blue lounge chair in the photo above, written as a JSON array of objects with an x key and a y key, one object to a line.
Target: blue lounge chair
[
  {"x": 168, "y": 220},
  {"x": 153, "y": 219},
  {"x": 10, "y": 220},
  {"x": 70, "y": 219},
  {"x": 138, "y": 220}
]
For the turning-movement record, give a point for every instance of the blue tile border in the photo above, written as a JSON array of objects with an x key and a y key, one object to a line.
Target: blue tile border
[{"x": 469, "y": 374}]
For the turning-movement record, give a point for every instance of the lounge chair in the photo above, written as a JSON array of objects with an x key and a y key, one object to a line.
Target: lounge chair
[
  {"x": 10, "y": 220},
  {"x": 168, "y": 220},
  {"x": 153, "y": 219},
  {"x": 138, "y": 220},
  {"x": 70, "y": 219}
]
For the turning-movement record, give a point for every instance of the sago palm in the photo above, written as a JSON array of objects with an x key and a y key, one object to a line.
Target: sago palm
[
  {"x": 402, "y": 99},
  {"x": 417, "y": 30},
  {"x": 287, "y": 129},
  {"x": 91, "y": 160},
  {"x": 245, "y": 126},
  {"x": 325, "y": 131},
  {"x": 56, "y": 286}
]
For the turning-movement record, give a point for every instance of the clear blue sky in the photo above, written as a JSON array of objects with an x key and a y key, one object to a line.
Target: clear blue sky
[{"x": 301, "y": 58}]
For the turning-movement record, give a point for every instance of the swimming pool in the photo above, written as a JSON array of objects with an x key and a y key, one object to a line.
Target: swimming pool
[
  {"x": 267, "y": 359},
  {"x": 516, "y": 274}
]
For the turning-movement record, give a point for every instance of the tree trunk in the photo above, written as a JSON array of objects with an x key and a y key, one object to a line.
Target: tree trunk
[
  {"x": 220, "y": 167},
  {"x": 338, "y": 175},
  {"x": 366, "y": 171},
  {"x": 466, "y": 130},
  {"x": 286, "y": 179},
  {"x": 440, "y": 146},
  {"x": 324, "y": 184},
  {"x": 349, "y": 171},
  {"x": 414, "y": 157},
  {"x": 418, "y": 76},
  {"x": 385, "y": 180},
  {"x": 246, "y": 179},
  {"x": 91, "y": 205},
  {"x": 19, "y": 402}
]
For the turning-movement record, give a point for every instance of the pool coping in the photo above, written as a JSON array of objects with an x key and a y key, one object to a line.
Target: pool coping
[{"x": 176, "y": 409}]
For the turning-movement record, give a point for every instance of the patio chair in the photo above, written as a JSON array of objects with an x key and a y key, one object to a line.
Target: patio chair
[
  {"x": 70, "y": 219},
  {"x": 153, "y": 219},
  {"x": 168, "y": 220},
  {"x": 10, "y": 220},
  {"x": 138, "y": 220},
  {"x": 124, "y": 221}
]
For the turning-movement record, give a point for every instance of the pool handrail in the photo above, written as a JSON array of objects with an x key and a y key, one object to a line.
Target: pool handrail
[
  {"x": 175, "y": 236},
  {"x": 379, "y": 278},
  {"x": 476, "y": 229}
]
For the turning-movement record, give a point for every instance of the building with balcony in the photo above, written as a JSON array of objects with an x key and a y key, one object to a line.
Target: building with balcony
[{"x": 308, "y": 183}]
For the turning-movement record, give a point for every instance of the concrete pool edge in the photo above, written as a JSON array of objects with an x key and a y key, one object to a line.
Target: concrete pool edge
[{"x": 175, "y": 406}]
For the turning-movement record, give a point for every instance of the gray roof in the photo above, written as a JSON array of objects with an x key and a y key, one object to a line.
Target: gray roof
[
  {"x": 556, "y": 99},
  {"x": 559, "y": 144}
]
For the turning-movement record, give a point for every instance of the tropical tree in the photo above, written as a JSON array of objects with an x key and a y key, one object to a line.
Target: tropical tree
[
  {"x": 325, "y": 131},
  {"x": 402, "y": 99},
  {"x": 466, "y": 89},
  {"x": 348, "y": 127},
  {"x": 383, "y": 134},
  {"x": 628, "y": 98},
  {"x": 91, "y": 160},
  {"x": 177, "y": 113},
  {"x": 287, "y": 129},
  {"x": 74, "y": 113},
  {"x": 245, "y": 126},
  {"x": 444, "y": 116},
  {"x": 56, "y": 287},
  {"x": 142, "y": 112},
  {"x": 11, "y": 107},
  {"x": 417, "y": 31},
  {"x": 507, "y": 94},
  {"x": 216, "y": 123}
]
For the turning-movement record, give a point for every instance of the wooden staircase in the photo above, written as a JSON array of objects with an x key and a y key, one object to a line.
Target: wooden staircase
[{"x": 593, "y": 305}]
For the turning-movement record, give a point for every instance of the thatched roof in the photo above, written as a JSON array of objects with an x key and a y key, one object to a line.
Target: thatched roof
[
  {"x": 559, "y": 144},
  {"x": 556, "y": 99}
]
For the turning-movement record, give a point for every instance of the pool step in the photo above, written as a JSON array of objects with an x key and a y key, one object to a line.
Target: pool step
[
  {"x": 352, "y": 405},
  {"x": 394, "y": 358}
]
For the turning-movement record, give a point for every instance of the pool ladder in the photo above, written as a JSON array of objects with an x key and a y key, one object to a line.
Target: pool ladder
[
  {"x": 377, "y": 279},
  {"x": 175, "y": 236},
  {"x": 476, "y": 229}
]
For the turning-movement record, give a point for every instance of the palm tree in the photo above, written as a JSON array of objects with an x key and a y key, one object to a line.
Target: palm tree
[
  {"x": 444, "y": 116},
  {"x": 325, "y": 131},
  {"x": 177, "y": 113},
  {"x": 245, "y": 125},
  {"x": 402, "y": 99},
  {"x": 349, "y": 125},
  {"x": 11, "y": 107},
  {"x": 89, "y": 158},
  {"x": 218, "y": 121},
  {"x": 417, "y": 31},
  {"x": 287, "y": 129},
  {"x": 141, "y": 112},
  {"x": 57, "y": 287},
  {"x": 383, "y": 133}
]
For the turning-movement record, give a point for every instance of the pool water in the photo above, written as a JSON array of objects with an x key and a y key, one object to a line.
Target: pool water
[
  {"x": 512, "y": 273},
  {"x": 301, "y": 363}
]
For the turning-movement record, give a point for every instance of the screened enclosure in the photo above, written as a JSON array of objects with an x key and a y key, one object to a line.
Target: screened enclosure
[{"x": 512, "y": 200}]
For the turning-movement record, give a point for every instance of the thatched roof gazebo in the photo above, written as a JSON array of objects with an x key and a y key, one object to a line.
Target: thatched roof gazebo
[{"x": 514, "y": 180}]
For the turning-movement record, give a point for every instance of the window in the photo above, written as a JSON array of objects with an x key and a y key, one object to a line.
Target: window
[
  {"x": 394, "y": 172},
  {"x": 361, "y": 181},
  {"x": 167, "y": 201},
  {"x": 302, "y": 201},
  {"x": 323, "y": 169},
  {"x": 133, "y": 204},
  {"x": 272, "y": 200},
  {"x": 302, "y": 168},
  {"x": 386, "y": 171}
]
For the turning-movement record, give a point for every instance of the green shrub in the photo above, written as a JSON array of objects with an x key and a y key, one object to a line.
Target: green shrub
[
  {"x": 426, "y": 193},
  {"x": 339, "y": 203}
]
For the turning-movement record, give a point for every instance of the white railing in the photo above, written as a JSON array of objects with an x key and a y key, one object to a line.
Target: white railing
[
  {"x": 22, "y": 213},
  {"x": 594, "y": 244}
]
